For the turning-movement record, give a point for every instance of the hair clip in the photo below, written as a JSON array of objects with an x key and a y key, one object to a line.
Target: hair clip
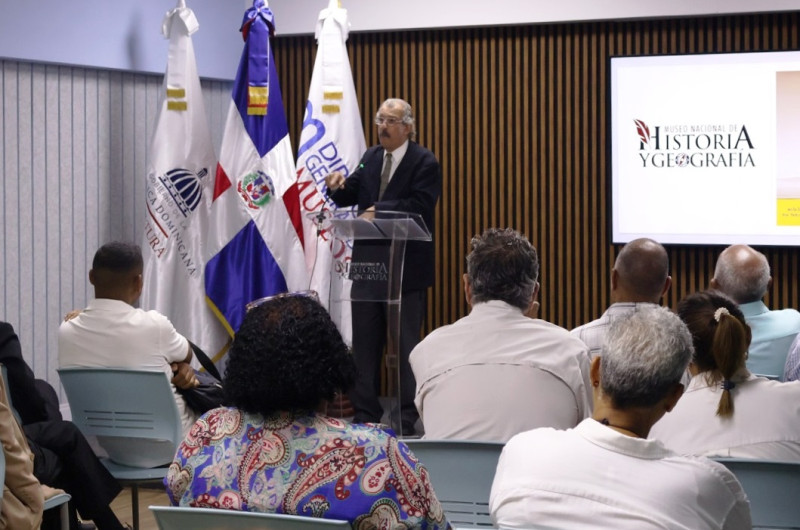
[
  {"x": 719, "y": 312},
  {"x": 727, "y": 384}
]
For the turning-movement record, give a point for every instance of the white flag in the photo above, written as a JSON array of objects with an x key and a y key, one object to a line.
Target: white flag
[
  {"x": 332, "y": 139},
  {"x": 180, "y": 185}
]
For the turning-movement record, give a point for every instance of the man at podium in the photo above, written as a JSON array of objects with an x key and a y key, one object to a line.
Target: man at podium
[{"x": 397, "y": 175}]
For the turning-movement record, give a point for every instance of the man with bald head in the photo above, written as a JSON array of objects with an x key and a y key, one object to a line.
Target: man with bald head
[
  {"x": 640, "y": 278},
  {"x": 743, "y": 274}
]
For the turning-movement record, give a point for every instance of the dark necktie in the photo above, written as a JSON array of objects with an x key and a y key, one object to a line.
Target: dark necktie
[{"x": 387, "y": 170}]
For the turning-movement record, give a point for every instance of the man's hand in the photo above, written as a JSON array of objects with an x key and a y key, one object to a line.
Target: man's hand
[
  {"x": 72, "y": 314},
  {"x": 368, "y": 214},
  {"x": 183, "y": 375},
  {"x": 334, "y": 180}
]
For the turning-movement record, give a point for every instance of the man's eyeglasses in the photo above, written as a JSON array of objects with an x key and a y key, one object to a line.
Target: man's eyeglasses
[{"x": 391, "y": 120}]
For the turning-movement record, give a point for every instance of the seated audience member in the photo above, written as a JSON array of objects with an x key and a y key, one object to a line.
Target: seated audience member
[
  {"x": 743, "y": 274},
  {"x": 605, "y": 473},
  {"x": 726, "y": 411},
  {"x": 791, "y": 370},
  {"x": 275, "y": 450},
  {"x": 640, "y": 278},
  {"x": 23, "y": 496},
  {"x": 111, "y": 333},
  {"x": 63, "y": 458},
  {"x": 497, "y": 371}
]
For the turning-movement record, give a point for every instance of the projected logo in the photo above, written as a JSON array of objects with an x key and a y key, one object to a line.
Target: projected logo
[{"x": 695, "y": 145}]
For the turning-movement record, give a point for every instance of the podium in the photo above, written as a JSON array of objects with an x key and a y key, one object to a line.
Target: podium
[{"x": 374, "y": 273}]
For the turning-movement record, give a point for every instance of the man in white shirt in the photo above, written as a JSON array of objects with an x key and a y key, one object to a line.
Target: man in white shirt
[
  {"x": 743, "y": 274},
  {"x": 606, "y": 473},
  {"x": 500, "y": 370},
  {"x": 640, "y": 278},
  {"x": 111, "y": 333}
]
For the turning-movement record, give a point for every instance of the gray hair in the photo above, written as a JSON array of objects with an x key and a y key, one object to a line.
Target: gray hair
[
  {"x": 646, "y": 352},
  {"x": 503, "y": 265},
  {"x": 742, "y": 273},
  {"x": 408, "y": 113}
]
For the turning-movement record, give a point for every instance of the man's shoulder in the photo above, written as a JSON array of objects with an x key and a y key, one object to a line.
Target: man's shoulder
[
  {"x": 562, "y": 334},
  {"x": 418, "y": 151},
  {"x": 784, "y": 318},
  {"x": 583, "y": 328},
  {"x": 788, "y": 313}
]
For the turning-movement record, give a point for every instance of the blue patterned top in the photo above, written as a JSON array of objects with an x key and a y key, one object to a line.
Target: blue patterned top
[{"x": 310, "y": 465}]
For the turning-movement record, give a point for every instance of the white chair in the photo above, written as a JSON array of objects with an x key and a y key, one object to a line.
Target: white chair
[
  {"x": 60, "y": 501},
  {"x": 461, "y": 473},
  {"x": 134, "y": 417},
  {"x": 172, "y": 518},
  {"x": 772, "y": 488}
]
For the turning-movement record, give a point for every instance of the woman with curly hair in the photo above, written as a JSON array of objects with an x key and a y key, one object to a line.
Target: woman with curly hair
[
  {"x": 275, "y": 450},
  {"x": 726, "y": 411}
]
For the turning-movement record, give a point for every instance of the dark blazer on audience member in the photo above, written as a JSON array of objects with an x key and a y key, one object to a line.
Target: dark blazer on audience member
[
  {"x": 414, "y": 188},
  {"x": 25, "y": 395}
]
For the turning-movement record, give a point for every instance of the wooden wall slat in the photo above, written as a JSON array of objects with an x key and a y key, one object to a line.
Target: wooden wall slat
[{"x": 518, "y": 116}]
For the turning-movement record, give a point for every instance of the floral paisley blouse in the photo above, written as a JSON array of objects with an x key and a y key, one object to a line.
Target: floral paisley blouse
[{"x": 308, "y": 465}]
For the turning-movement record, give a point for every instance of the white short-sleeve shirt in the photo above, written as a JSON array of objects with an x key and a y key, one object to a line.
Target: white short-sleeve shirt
[
  {"x": 595, "y": 477},
  {"x": 113, "y": 334}
]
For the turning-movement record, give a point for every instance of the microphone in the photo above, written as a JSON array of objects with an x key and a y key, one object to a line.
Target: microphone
[{"x": 320, "y": 217}]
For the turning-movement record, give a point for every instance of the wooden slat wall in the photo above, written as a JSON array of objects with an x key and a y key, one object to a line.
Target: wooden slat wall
[{"x": 518, "y": 119}]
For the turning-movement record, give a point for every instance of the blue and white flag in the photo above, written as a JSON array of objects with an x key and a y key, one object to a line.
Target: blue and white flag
[
  {"x": 255, "y": 237},
  {"x": 180, "y": 185},
  {"x": 332, "y": 139}
]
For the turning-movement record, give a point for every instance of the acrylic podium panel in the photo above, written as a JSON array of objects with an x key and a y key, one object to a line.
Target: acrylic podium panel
[{"x": 376, "y": 242}]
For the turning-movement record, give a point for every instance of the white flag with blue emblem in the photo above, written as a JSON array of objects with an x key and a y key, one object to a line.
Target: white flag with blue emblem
[
  {"x": 180, "y": 186},
  {"x": 332, "y": 139}
]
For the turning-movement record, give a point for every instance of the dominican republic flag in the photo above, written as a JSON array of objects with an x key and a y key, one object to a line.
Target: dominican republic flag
[
  {"x": 255, "y": 237},
  {"x": 179, "y": 188},
  {"x": 332, "y": 139}
]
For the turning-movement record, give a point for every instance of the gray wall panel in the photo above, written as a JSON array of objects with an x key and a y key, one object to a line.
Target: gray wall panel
[{"x": 74, "y": 147}]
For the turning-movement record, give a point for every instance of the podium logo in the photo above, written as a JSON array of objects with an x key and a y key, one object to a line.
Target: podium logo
[
  {"x": 370, "y": 272},
  {"x": 698, "y": 145}
]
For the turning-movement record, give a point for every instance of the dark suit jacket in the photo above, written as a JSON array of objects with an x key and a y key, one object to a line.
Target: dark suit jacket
[
  {"x": 21, "y": 383},
  {"x": 415, "y": 187}
]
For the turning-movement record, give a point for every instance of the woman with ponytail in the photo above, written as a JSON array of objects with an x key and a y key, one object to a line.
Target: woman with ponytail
[{"x": 726, "y": 411}]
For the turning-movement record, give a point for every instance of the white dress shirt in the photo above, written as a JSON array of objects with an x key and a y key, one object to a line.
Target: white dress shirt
[
  {"x": 594, "y": 477},
  {"x": 113, "y": 334}
]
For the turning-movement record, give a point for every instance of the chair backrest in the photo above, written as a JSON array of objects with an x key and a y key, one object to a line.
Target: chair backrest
[
  {"x": 772, "y": 488},
  {"x": 132, "y": 413},
  {"x": 172, "y": 518},
  {"x": 461, "y": 473}
]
